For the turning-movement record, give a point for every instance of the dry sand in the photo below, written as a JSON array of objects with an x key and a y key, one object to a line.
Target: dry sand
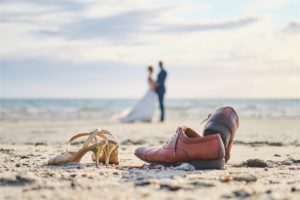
[{"x": 26, "y": 146}]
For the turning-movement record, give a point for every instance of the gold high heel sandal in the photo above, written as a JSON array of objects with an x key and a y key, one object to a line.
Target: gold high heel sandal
[{"x": 103, "y": 150}]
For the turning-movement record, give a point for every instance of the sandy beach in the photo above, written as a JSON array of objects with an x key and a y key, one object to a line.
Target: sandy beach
[{"x": 264, "y": 163}]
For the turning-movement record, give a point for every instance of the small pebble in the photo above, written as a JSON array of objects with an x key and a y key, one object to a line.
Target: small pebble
[
  {"x": 74, "y": 183},
  {"x": 140, "y": 178},
  {"x": 287, "y": 162},
  {"x": 273, "y": 182},
  {"x": 241, "y": 193},
  {"x": 185, "y": 167},
  {"x": 293, "y": 189},
  {"x": 202, "y": 184},
  {"x": 269, "y": 191},
  {"x": 133, "y": 142},
  {"x": 142, "y": 183},
  {"x": 24, "y": 157},
  {"x": 18, "y": 165},
  {"x": 226, "y": 196},
  {"x": 292, "y": 168},
  {"x": 247, "y": 178},
  {"x": 226, "y": 179},
  {"x": 256, "y": 163},
  {"x": 40, "y": 144},
  {"x": 170, "y": 187}
]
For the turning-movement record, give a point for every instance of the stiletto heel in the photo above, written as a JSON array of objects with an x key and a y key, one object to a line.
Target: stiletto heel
[
  {"x": 97, "y": 154},
  {"x": 109, "y": 154}
]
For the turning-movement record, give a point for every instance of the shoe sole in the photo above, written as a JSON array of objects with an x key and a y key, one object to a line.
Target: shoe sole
[
  {"x": 208, "y": 164},
  {"x": 198, "y": 164}
]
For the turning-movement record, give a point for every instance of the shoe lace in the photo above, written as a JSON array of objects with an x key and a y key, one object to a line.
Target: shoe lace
[
  {"x": 206, "y": 118},
  {"x": 176, "y": 136}
]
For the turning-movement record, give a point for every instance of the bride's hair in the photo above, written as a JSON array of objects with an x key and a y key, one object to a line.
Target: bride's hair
[{"x": 150, "y": 69}]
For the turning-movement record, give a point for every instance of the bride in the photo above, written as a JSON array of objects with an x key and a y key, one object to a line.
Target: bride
[{"x": 144, "y": 108}]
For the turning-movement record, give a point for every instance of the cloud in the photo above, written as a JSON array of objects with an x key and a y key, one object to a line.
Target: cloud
[
  {"x": 125, "y": 25},
  {"x": 293, "y": 27},
  {"x": 69, "y": 20},
  {"x": 210, "y": 27},
  {"x": 265, "y": 5},
  {"x": 38, "y": 14},
  {"x": 116, "y": 27},
  {"x": 29, "y": 6}
]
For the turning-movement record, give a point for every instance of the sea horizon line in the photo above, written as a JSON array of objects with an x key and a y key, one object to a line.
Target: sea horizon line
[{"x": 135, "y": 98}]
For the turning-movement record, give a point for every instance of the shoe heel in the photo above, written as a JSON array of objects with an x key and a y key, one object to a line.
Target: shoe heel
[
  {"x": 208, "y": 164},
  {"x": 97, "y": 151},
  {"x": 213, "y": 128}
]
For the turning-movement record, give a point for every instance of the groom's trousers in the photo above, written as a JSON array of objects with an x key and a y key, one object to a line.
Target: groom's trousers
[{"x": 161, "y": 105}]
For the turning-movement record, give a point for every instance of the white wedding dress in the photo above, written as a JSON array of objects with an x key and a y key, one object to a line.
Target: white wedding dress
[{"x": 143, "y": 109}]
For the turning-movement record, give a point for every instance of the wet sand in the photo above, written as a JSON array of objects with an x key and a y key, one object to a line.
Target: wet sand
[{"x": 264, "y": 163}]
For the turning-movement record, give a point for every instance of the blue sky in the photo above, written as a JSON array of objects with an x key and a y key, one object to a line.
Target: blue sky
[{"x": 100, "y": 49}]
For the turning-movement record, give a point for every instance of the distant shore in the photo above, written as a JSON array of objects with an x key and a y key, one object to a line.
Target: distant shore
[{"x": 112, "y": 109}]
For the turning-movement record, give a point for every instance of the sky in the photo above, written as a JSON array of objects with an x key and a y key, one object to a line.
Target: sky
[{"x": 101, "y": 49}]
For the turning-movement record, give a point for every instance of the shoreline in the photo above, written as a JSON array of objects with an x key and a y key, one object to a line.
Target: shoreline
[{"x": 285, "y": 131}]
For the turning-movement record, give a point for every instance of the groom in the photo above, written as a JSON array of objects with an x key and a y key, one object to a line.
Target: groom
[{"x": 161, "y": 90}]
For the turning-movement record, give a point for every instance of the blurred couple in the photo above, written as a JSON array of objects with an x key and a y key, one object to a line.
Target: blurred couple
[{"x": 144, "y": 109}]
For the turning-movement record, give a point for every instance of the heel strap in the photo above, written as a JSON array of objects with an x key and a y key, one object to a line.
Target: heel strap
[
  {"x": 92, "y": 137},
  {"x": 102, "y": 134}
]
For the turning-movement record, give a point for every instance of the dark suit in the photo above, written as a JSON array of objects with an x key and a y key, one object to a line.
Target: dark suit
[{"x": 161, "y": 90}]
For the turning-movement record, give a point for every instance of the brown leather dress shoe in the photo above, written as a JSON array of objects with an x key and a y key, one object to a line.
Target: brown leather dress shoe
[
  {"x": 189, "y": 147},
  {"x": 225, "y": 122}
]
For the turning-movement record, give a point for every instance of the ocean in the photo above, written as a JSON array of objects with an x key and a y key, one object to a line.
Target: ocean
[{"x": 111, "y": 109}]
